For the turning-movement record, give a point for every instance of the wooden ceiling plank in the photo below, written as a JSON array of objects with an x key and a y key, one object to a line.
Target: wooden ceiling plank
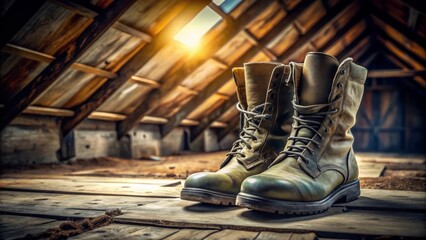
[
  {"x": 403, "y": 29},
  {"x": 342, "y": 32},
  {"x": 331, "y": 15},
  {"x": 132, "y": 31},
  {"x": 18, "y": 14},
  {"x": 133, "y": 65},
  {"x": 406, "y": 50},
  {"x": 46, "y": 58},
  {"x": 229, "y": 33},
  {"x": 206, "y": 121},
  {"x": 355, "y": 44},
  {"x": 397, "y": 60},
  {"x": 65, "y": 57},
  {"x": 82, "y": 8}
]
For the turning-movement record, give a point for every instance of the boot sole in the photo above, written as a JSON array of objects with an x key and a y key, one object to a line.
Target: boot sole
[
  {"x": 342, "y": 194},
  {"x": 207, "y": 196}
]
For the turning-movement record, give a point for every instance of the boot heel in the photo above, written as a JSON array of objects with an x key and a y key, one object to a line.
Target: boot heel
[{"x": 352, "y": 192}]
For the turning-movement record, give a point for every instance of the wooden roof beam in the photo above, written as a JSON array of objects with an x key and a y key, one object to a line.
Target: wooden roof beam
[
  {"x": 65, "y": 57},
  {"x": 221, "y": 13},
  {"x": 395, "y": 73},
  {"x": 134, "y": 64},
  {"x": 226, "y": 35},
  {"x": 207, "y": 92},
  {"x": 229, "y": 33},
  {"x": 355, "y": 44},
  {"x": 332, "y": 14},
  {"x": 342, "y": 32},
  {"x": 403, "y": 29},
  {"x": 46, "y": 58},
  {"x": 206, "y": 121},
  {"x": 18, "y": 14},
  {"x": 382, "y": 34},
  {"x": 82, "y": 8},
  {"x": 406, "y": 61}
]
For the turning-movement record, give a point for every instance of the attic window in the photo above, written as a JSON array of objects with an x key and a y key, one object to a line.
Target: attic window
[{"x": 191, "y": 34}]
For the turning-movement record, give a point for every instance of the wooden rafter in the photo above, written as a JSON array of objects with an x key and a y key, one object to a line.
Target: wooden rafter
[
  {"x": 16, "y": 17},
  {"x": 64, "y": 58},
  {"x": 341, "y": 32},
  {"x": 205, "y": 122},
  {"x": 232, "y": 126},
  {"x": 235, "y": 26},
  {"x": 133, "y": 65},
  {"x": 395, "y": 73},
  {"x": 224, "y": 77},
  {"x": 332, "y": 14},
  {"x": 82, "y": 8},
  {"x": 406, "y": 60},
  {"x": 388, "y": 20},
  {"x": 355, "y": 45},
  {"x": 46, "y": 58},
  {"x": 382, "y": 34}
]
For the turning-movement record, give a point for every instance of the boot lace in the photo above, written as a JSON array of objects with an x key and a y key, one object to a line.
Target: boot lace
[
  {"x": 252, "y": 120},
  {"x": 312, "y": 121}
]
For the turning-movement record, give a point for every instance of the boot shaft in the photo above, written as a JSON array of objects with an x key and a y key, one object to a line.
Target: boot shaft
[
  {"x": 334, "y": 136},
  {"x": 262, "y": 89}
]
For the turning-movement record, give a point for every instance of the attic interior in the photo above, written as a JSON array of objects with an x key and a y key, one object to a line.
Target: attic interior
[{"x": 107, "y": 106}]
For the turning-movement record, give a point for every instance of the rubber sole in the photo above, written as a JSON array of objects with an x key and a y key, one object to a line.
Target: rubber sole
[
  {"x": 207, "y": 196},
  {"x": 344, "y": 193}
]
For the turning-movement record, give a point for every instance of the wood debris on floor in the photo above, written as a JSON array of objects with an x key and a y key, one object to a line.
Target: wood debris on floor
[{"x": 35, "y": 204}]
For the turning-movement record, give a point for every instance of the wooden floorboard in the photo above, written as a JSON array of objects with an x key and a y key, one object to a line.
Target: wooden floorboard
[{"x": 32, "y": 202}]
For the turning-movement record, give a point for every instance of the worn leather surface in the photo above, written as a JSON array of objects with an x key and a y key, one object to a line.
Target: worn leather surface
[
  {"x": 317, "y": 76},
  {"x": 333, "y": 162},
  {"x": 263, "y": 82}
]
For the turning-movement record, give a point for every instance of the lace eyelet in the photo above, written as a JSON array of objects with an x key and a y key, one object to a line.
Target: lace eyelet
[
  {"x": 342, "y": 71},
  {"x": 277, "y": 75},
  {"x": 274, "y": 84},
  {"x": 326, "y": 129},
  {"x": 339, "y": 85}
]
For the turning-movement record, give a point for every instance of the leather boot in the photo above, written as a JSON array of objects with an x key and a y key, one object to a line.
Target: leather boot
[
  {"x": 265, "y": 102},
  {"x": 317, "y": 166}
]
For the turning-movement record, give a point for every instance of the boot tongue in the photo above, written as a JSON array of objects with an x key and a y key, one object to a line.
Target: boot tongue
[
  {"x": 257, "y": 77},
  {"x": 315, "y": 86},
  {"x": 317, "y": 77}
]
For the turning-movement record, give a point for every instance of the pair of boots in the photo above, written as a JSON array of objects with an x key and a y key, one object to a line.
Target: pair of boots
[{"x": 294, "y": 154}]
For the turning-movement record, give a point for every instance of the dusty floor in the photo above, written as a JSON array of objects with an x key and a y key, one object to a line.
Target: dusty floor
[{"x": 399, "y": 172}]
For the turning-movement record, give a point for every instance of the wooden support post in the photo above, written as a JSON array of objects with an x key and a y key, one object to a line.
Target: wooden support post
[
  {"x": 216, "y": 44},
  {"x": 67, "y": 146},
  {"x": 134, "y": 64},
  {"x": 232, "y": 126},
  {"x": 208, "y": 120},
  {"x": 65, "y": 57},
  {"x": 16, "y": 17}
]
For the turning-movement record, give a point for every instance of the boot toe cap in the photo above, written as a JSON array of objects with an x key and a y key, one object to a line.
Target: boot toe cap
[
  {"x": 276, "y": 187},
  {"x": 212, "y": 181}
]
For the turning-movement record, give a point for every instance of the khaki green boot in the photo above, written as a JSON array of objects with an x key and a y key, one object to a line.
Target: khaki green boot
[
  {"x": 317, "y": 166},
  {"x": 265, "y": 102}
]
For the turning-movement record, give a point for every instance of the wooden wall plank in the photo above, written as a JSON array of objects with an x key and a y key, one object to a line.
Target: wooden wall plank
[{"x": 64, "y": 58}]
